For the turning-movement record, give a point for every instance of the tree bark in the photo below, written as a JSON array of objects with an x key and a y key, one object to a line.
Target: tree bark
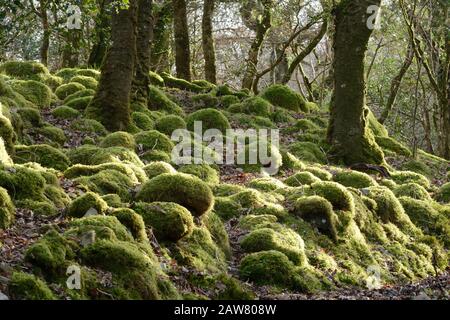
[
  {"x": 144, "y": 37},
  {"x": 347, "y": 132},
  {"x": 46, "y": 30},
  {"x": 262, "y": 25},
  {"x": 181, "y": 34},
  {"x": 208, "y": 41},
  {"x": 162, "y": 30},
  {"x": 102, "y": 34},
  {"x": 111, "y": 104},
  {"x": 395, "y": 84}
]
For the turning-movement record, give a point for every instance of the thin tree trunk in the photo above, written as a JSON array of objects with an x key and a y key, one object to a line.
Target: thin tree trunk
[
  {"x": 208, "y": 41},
  {"x": 162, "y": 30},
  {"x": 395, "y": 84},
  {"x": 46, "y": 30},
  {"x": 111, "y": 104},
  {"x": 141, "y": 79},
  {"x": 347, "y": 132},
  {"x": 181, "y": 33},
  {"x": 102, "y": 34}
]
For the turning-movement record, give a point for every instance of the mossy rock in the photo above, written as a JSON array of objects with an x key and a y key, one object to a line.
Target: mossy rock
[
  {"x": 308, "y": 151},
  {"x": 186, "y": 190},
  {"x": 412, "y": 190},
  {"x": 260, "y": 157},
  {"x": 7, "y": 210},
  {"x": 79, "y": 94},
  {"x": 67, "y": 73},
  {"x": 24, "y": 286},
  {"x": 24, "y": 69},
  {"x": 79, "y": 103},
  {"x": 354, "y": 179},
  {"x": 54, "y": 135},
  {"x": 91, "y": 228},
  {"x": 443, "y": 194},
  {"x": 62, "y": 92},
  {"x": 142, "y": 121},
  {"x": 88, "y": 82},
  {"x": 65, "y": 112},
  {"x": 173, "y": 82},
  {"x": 159, "y": 101},
  {"x": 134, "y": 173},
  {"x": 227, "y": 100},
  {"x": 205, "y": 100},
  {"x": 319, "y": 212},
  {"x": 218, "y": 232},
  {"x": 210, "y": 119},
  {"x": 282, "y": 239},
  {"x": 36, "y": 92},
  {"x": 119, "y": 139},
  {"x": 5, "y": 159},
  {"x": 290, "y": 161},
  {"x": 393, "y": 145},
  {"x": 31, "y": 117},
  {"x": 45, "y": 155},
  {"x": 155, "y": 155},
  {"x": 157, "y": 168},
  {"x": 417, "y": 166},
  {"x": 254, "y": 105},
  {"x": 153, "y": 140},
  {"x": 22, "y": 183},
  {"x": 168, "y": 124},
  {"x": 252, "y": 222},
  {"x": 39, "y": 208},
  {"x": 301, "y": 178},
  {"x": 203, "y": 171},
  {"x": 336, "y": 194},
  {"x": 169, "y": 221},
  {"x": 402, "y": 177},
  {"x": 82, "y": 205},
  {"x": 133, "y": 222},
  {"x": 266, "y": 184},
  {"x": 156, "y": 79},
  {"x": 89, "y": 126},
  {"x": 89, "y": 73},
  {"x": 284, "y": 97}
]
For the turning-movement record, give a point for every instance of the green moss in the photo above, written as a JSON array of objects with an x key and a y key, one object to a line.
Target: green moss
[
  {"x": 89, "y": 73},
  {"x": 252, "y": 222},
  {"x": 49, "y": 254},
  {"x": 159, "y": 101},
  {"x": 54, "y": 135},
  {"x": 284, "y": 97},
  {"x": 226, "y": 208},
  {"x": 248, "y": 121},
  {"x": 354, "y": 179},
  {"x": 7, "y": 210},
  {"x": 319, "y": 212},
  {"x": 169, "y": 221},
  {"x": 301, "y": 178},
  {"x": 43, "y": 154},
  {"x": 227, "y": 100},
  {"x": 5, "y": 159},
  {"x": 7, "y": 134},
  {"x": 186, "y": 190},
  {"x": 31, "y": 117},
  {"x": 402, "y": 177},
  {"x": 39, "y": 208},
  {"x": 260, "y": 157},
  {"x": 81, "y": 205},
  {"x": 156, "y": 79},
  {"x": 87, "y": 82},
  {"x": 142, "y": 121},
  {"x": 393, "y": 145},
  {"x": 412, "y": 190},
  {"x": 282, "y": 239},
  {"x": 119, "y": 139},
  {"x": 113, "y": 200},
  {"x": 251, "y": 201},
  {"x": 203, "y": 171},
  {"x": 282, "y": 116},
  {"x": 417, "y": 166},
  {"x": 266, "y": 184},
  {"x": 133, "y": 222},
  {"x": 375, "y": 126},
  {"x": 67, "y": 73},
  {"x": 101, "y": 227},
  {"x": 24, "y": 286},
  {"x": 62, "y": 92},
  {"x": 24, "y": 69},
  {"x": 210, "y": 119},
  {"x": 443, "y": 194},
  {"x": 290, "y": 161},
  {"x": 308, "y": 151},
  {"x": 268, "y": 268},
  {"x": 157, "y": 168},
  {"x": 113, "y": 154},
  {"x": 337, "y": 194},
  {"x": 181, "y": 84},
  {"x": 218, "y": 232},
  {"x": 205, "y": 100},
  {"x": 89, "y": 126},
  {"x": 79, "y": 94},
  {"x": 254, "y": 105},
  {"x": 64, "y": 112},
  {"x": 168, "y": 124},
  {"x": 134, "y": 173},
  {"x": 79, "y": 103},
  {"x": 107, "y": 182},
  {"x": 36, "y": 92},
  {"x": 22, "y": 183},
  {"x": 153, "y": 140},
  {"x": 155, "y": 155}
]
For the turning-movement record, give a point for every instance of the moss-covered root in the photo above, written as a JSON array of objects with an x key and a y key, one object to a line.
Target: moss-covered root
[{"x": 87, "y": 203}]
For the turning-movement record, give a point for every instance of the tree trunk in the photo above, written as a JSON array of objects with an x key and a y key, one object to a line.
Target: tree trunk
[
  {"x": 46, "y": 30},
  {"x": 351, "y": 141},
  {"x": 111, "y": 104},
  {"x": 395, "y": 84},
  {"x": 263, "y": 24},
  {"x": 102, "y": 34},
  {"x": 282, "y": 68},
  {"x": 181, "y": 33},
  {"x": 141, "y": 79},
  {"x": 162, "y": 30},
  {"x": 208, "y": 41}
]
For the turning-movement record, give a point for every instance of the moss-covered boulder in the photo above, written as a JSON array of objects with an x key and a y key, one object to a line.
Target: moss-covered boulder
[
  {"x": 308, "y": 151},
  {"x": 7, "y": 133},
  {"x": 157, "y": 168},
  {"x": 79, "y": 103},
  {"x": 24, "y": 69},
  {"x": 160, "y": 102},
  {"x": 153, "y": 140},
  {"x": 203, "y": 171},
  {"x": 142, "y": 121},
  {"x": 168, "y": 124},
  {"x": 22, "y": 182},
  {"x": 83, "y": 204},
  {"x": 402, "y": 177},
  {"x": 133, "y": 222},
  {"x": 186, "y": 190},
  {"x": 62, "y": 92},
  {"x": 443, "y": 194},
  {"x": 87, "y": 82},
  {"x": 254, "y": 105},
  {"x": 335, "y": 193},
  {"x": 36, "y": 92},
  {"x": 65, "y": 112},
  {"x": 354, "y": 179},
  {"x": 24, "y": 286},
  {"x": 209, "y": 119},
  {"x": 301, "y": 178},
  {"x": 45, "y": 155},
  {"x": 79, "y": 94},
  {"x": 7, "y": 210},
  {"x": 88, "y": 229},
  {"x": 169, "y": 221},
  {"x": 284, "y": 97},
  {"x": 412, "y": 190},
  {"x": 119, "y": 139}
]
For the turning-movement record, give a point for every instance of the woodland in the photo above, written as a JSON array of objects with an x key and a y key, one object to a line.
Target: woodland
[{"x": 97, "y": 203}]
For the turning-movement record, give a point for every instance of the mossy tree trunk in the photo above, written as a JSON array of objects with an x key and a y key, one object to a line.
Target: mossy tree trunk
[
  {"x": 144, "y": 37},
  {"x": 261, "y": 25},
  {"x": 208, "y": 41},
  {"x": 348, "y": 134},
  {"x": 102, "y": 34},
  {"x": 162, "y": 31},
  {"x": 46, "y": 31},
  {"x": 111, "y": 104},
  {"x": 181, "y": 34}
]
